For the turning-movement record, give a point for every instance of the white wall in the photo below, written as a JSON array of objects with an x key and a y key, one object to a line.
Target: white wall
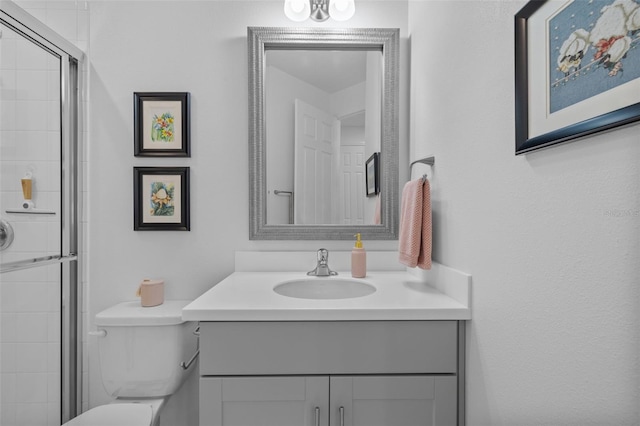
[
  {"x": 198, "y": 47},
  {"x": 349, "y": 101},
  {"x": 552, "y": 238},
  {"x": 373, "y": 124}
]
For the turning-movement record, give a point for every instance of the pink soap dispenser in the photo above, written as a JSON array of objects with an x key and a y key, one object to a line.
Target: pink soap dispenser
[{"x": 358, "y": 259}]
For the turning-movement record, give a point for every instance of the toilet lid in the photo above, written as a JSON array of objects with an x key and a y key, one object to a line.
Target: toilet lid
[
  {"x": 115, "y": 414},
  {"x": 132, "y": 314}
]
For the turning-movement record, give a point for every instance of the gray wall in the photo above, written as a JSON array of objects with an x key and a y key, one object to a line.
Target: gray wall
[{"x": 551, "y": 238}]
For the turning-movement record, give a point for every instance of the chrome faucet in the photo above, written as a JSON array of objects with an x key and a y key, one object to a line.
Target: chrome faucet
[{"x": 322, "y": 268}]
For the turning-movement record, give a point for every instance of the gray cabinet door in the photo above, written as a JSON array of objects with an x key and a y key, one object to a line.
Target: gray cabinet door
[
  {"x": 336, "y": 401},
  {"x": 264, "y": 401},
  {"x": 393, "y": 401}
]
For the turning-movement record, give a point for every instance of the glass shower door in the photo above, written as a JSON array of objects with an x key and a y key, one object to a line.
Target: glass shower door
[{"x": 38, "y": 265}]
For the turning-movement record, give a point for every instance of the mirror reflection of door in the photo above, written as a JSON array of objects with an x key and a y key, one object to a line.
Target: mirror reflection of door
[{"x": 316, "y": 147}]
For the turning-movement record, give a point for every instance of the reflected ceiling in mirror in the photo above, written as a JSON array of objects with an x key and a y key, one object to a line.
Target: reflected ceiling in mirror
[{"x": 322, "y": 101}]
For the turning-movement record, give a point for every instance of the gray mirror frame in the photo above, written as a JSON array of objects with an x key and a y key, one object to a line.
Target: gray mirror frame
[{"x": 261, "y": 39}]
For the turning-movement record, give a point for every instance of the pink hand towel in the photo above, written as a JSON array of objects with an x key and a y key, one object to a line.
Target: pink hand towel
[
  {"x": 424, "y": 258},
  {"x": 415, "y": 225},
  {"x": 377, "y": 220}
]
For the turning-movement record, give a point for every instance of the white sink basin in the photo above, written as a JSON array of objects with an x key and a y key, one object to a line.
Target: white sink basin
[{"x": 324, "y": 288}]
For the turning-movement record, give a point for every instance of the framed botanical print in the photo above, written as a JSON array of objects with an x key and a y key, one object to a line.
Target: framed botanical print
[
  {"x": 577, "y": 69},
  {"x": 161, "y": 124},
  {"x": 161, "y": 199}
]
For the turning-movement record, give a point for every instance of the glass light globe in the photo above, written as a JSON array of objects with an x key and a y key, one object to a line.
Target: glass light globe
[
  {"x": 297, "y": 10},
  {"x": 341, "y": 10},
  {"x": 341, "y": 5}
]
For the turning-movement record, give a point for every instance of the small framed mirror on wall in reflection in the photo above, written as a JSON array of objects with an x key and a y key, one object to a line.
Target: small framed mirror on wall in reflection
[{"x": 372, "y": 177}]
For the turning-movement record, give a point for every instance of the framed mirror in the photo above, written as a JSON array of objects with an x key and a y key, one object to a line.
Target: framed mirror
[{"x": 321, "y": 103}]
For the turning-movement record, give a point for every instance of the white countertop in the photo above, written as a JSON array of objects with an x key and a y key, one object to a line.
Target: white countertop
[{"x": 399, "y": 295}]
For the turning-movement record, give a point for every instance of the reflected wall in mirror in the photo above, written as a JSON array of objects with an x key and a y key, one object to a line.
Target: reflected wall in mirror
[{"x": 321, "y": 102}]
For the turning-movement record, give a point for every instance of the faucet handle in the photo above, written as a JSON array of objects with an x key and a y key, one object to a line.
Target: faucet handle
[
  {"x": 322, "y": 267},
  {"x": 323, "y": 256}
]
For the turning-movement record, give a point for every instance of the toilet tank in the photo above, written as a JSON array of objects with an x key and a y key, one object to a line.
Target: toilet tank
[{"x": 141, "y": 353}]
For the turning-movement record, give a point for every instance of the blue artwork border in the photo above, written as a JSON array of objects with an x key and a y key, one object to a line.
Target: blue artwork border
[
  {"x": 523, "y": 142},
  {"x": 593, "y": 48}
]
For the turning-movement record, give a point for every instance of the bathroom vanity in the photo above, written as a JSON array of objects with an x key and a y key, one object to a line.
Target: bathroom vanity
[{"x": 389, "y": 358}]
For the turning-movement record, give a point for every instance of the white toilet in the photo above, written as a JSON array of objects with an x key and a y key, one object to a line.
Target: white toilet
[{"x": 142, "y": 354}]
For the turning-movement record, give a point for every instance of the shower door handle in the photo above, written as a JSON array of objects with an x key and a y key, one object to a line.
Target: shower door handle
[{"x": 37, "y": 261}]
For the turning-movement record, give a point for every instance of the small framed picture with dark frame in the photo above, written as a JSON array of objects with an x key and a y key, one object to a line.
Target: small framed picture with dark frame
[
  {"x": 372, "y": 174},
  {"x": 161, "y": 124},
  {"x": 161, "y": 199}
]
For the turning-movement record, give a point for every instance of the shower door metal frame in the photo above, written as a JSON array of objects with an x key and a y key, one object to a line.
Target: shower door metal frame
[{"x": 71, "y": 59}]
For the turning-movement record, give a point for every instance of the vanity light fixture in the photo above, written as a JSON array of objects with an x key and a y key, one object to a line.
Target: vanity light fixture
[{"x": 319, "y": 10}]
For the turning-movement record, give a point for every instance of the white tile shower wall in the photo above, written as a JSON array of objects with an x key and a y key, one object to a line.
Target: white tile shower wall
[
  {"x": 29, "y": 140},
  {"x": 26, "y": 297},
  {"x": 30, "y": 342}
]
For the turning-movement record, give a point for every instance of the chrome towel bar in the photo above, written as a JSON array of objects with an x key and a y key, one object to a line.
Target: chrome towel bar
[
  {"x": 429, "y": 161},
  {"x": 290, "y": 195}
]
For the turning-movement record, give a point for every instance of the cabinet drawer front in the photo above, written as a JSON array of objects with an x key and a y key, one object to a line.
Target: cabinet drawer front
[
  {"x": 393, "y": 400},
  {"x": 264, "y": 401},
  {"x": 323, "y": 347}
]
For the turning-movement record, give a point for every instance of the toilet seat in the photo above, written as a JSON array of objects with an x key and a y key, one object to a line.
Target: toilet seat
[{"x": 115, "y": 414}]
